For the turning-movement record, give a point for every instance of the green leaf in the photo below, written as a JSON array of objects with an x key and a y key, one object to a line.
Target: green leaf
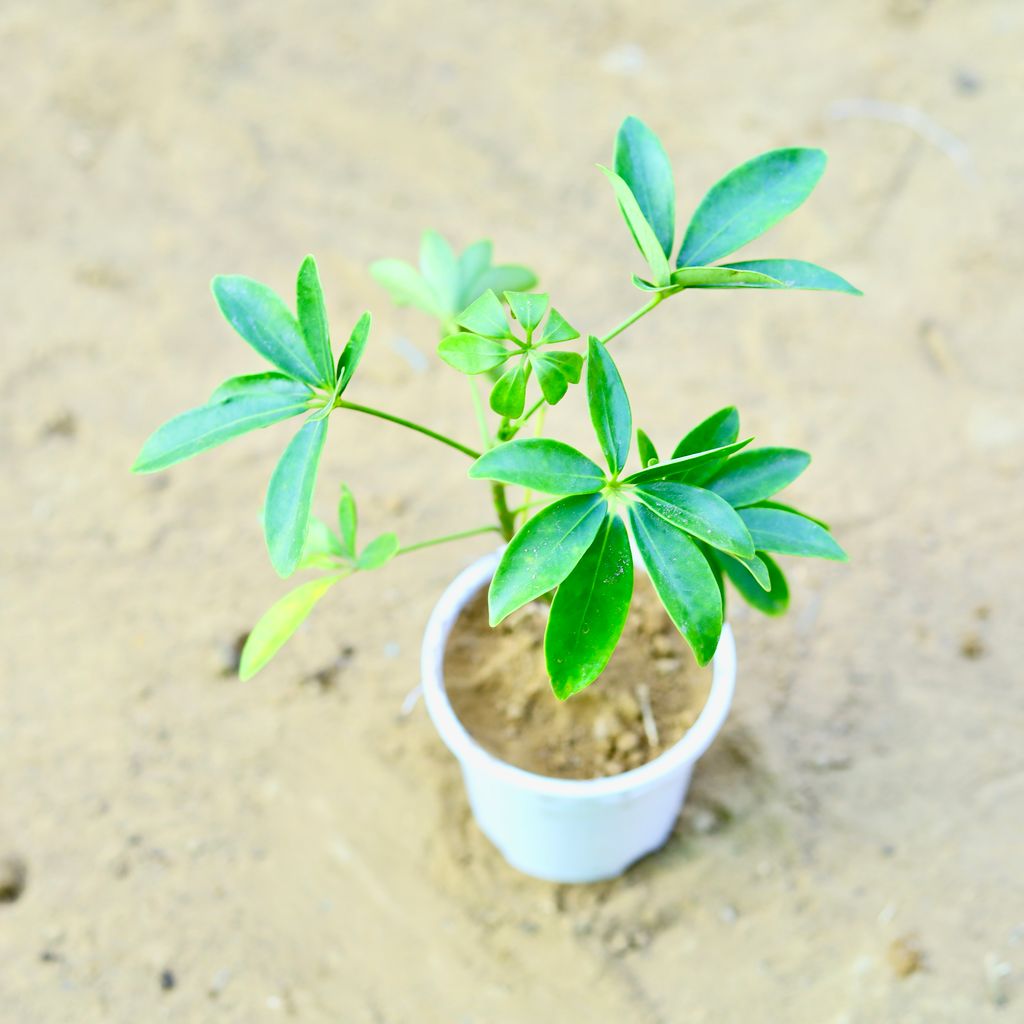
[
  {"x": 485, "y": 316},
  {"x": 699, "y": 512},
  {"x": 378, "y": 552},
  {"x": 758, "y": 473},
  {"x": 313, "y": 320},
  {"x": 528, "y": 308},
  {"x": 261, "y": 317},
  {"x": 683, "y": 467},
  {"x": 509, "y": 277},
  {"x": 557, "y": 329},
  {"x": 286, "y": 511},
  {"x": 787, "y": 533},
  {"x": 721, "y": 277},
  {"x": 544, "y": 552},
  {"x": 773, "y": 601},
  {"x": 589, "y": 611},
  {"x": 609, "y": 406},
  {"x": 641, "y": 161},
  {"x": 473, "y": 265},
  {"x": 405, "y": 285},
  {"x": 237, "y": 406},
  {"x": 279, "y": 622},
  {"x": 683, "y": 579},
  {"x": 508, "y": 396},
  {"x": 542, "y": 464},
  {"x": 643, "y": 233},
  {"x": 797, "y": 274},
  {"x": 719, "y": 429},
  {"x": 353, "y": 351},
  {"x": 555, "y": 372},
  {"x": 469, "y": 353},
  {"x": 348, "y": 520},
  {"x": 440, "y": 270},
  {"x": 789, "y": 508},
  {"x": 322, "y": 547},
  {"x": 645, "y": 447},
  {"x": 748, "y": 201},
  {"x": 757, "y": 568}
]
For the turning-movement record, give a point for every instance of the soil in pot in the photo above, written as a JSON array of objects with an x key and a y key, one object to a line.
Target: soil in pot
[{"x": 651, "y": 692}]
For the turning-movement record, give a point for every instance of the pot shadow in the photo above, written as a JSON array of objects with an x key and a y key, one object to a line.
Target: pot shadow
[{"x": 732, "y": 789}]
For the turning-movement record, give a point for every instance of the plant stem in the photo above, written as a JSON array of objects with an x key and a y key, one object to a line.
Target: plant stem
[
  {"x": 506, "y": 519},
  {"x": 630, "y": 320},
  {"x": 448, "y": 537},
  {"x": 418, "y": 427}
]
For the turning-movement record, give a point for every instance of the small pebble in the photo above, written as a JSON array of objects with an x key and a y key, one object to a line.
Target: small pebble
[
  {"x": 905, "y": 956},
  {"x": 167, "y": 979},
  {"x": 626, "y": 741},
  {"x": 996, "y": 973},
  {"x": 13, "y": 874},
  {"x": 728, "y": 914}
]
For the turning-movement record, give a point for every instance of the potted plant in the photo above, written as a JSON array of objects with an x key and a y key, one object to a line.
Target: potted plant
[{"x": 703, "y": 514}]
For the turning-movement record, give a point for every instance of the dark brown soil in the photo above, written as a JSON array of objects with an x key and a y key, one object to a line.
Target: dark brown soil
[{"x": 651, "y": 692}]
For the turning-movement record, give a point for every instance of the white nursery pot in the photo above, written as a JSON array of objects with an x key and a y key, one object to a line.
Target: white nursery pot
[{"x": 567, "y": 830}]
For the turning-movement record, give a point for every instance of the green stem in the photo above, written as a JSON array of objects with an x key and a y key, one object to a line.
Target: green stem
[
  {"x": 630, "y": 320},
  {"x": 418, "y": 427},
  {"x": 506, "y": 519},
  {"x": 447, "y": 538}
]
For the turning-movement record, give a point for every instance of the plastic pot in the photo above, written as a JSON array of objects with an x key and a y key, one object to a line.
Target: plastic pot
[{"x": 567, "y": 830}]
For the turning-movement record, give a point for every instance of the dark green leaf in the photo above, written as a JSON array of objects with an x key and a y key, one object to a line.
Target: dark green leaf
[
  {"x": 406, "y": 286},
  {"x": 589, "y": 611},
  {"x": 348, "y": 520},
  {"x": 509, "y": 277},
  {"x": 555, "y": 372},
  {"x": 645, "y": 446},
  {"x": 353, "y": 351},
  {"x": 758, "y": 473},
  {"x": 748, "y": 201},
  {"x": 757, "y": 568},
  {"x": 528, "y": 308},
  {"x": 378, "y": 552},
  {"x": 485, "y": 316},
  {"x": 773, "y": 601},
  {"x": 699, "y": 512},
  {"x": 508, "y": 396},
  {"x": 544, "y": 552},
  {"x": 787, "y": 533},
  {"x": 683, "y": 467},
  {"x": 261, "y": 317},
  {"x": 440, "y": 270},
  {"x": 609, "y": 406},
  {"x": 237, "y": 406},
  {"x": 641, "y": 161},
  {"x": 643, "y": 233},
  {"x": 682, "y": 578},
  {"x": 721, "y": 277},
  {"x": 279, "y": 622},
  {"x": 469, "y": 353},
  {"x": 797, "y": 274},
  {"x": 557, "y": 328},
  {"x": 541, "y": 464},
  {"x": 286, "y": 511},
  {"x": 473, "y": 264},
  {"x": 720, "y": 428},
  {"x": 313, "y": 320}
]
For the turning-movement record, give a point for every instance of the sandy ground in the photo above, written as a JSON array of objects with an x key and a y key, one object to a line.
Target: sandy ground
[{"x": 291, "y": 848}]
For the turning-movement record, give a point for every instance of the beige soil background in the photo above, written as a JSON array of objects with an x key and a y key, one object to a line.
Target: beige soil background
[{"x": 293, "y": 848}]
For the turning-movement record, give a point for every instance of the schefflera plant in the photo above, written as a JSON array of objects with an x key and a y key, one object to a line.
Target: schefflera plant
[{"x": 705, "y": 514}]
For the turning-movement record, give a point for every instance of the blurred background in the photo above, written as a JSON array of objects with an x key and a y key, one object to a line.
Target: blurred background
[{"x": 175, "y": 845}]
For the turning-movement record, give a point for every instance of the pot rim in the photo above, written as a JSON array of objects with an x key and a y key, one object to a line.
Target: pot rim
[{"x": 471, "y": 754}]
